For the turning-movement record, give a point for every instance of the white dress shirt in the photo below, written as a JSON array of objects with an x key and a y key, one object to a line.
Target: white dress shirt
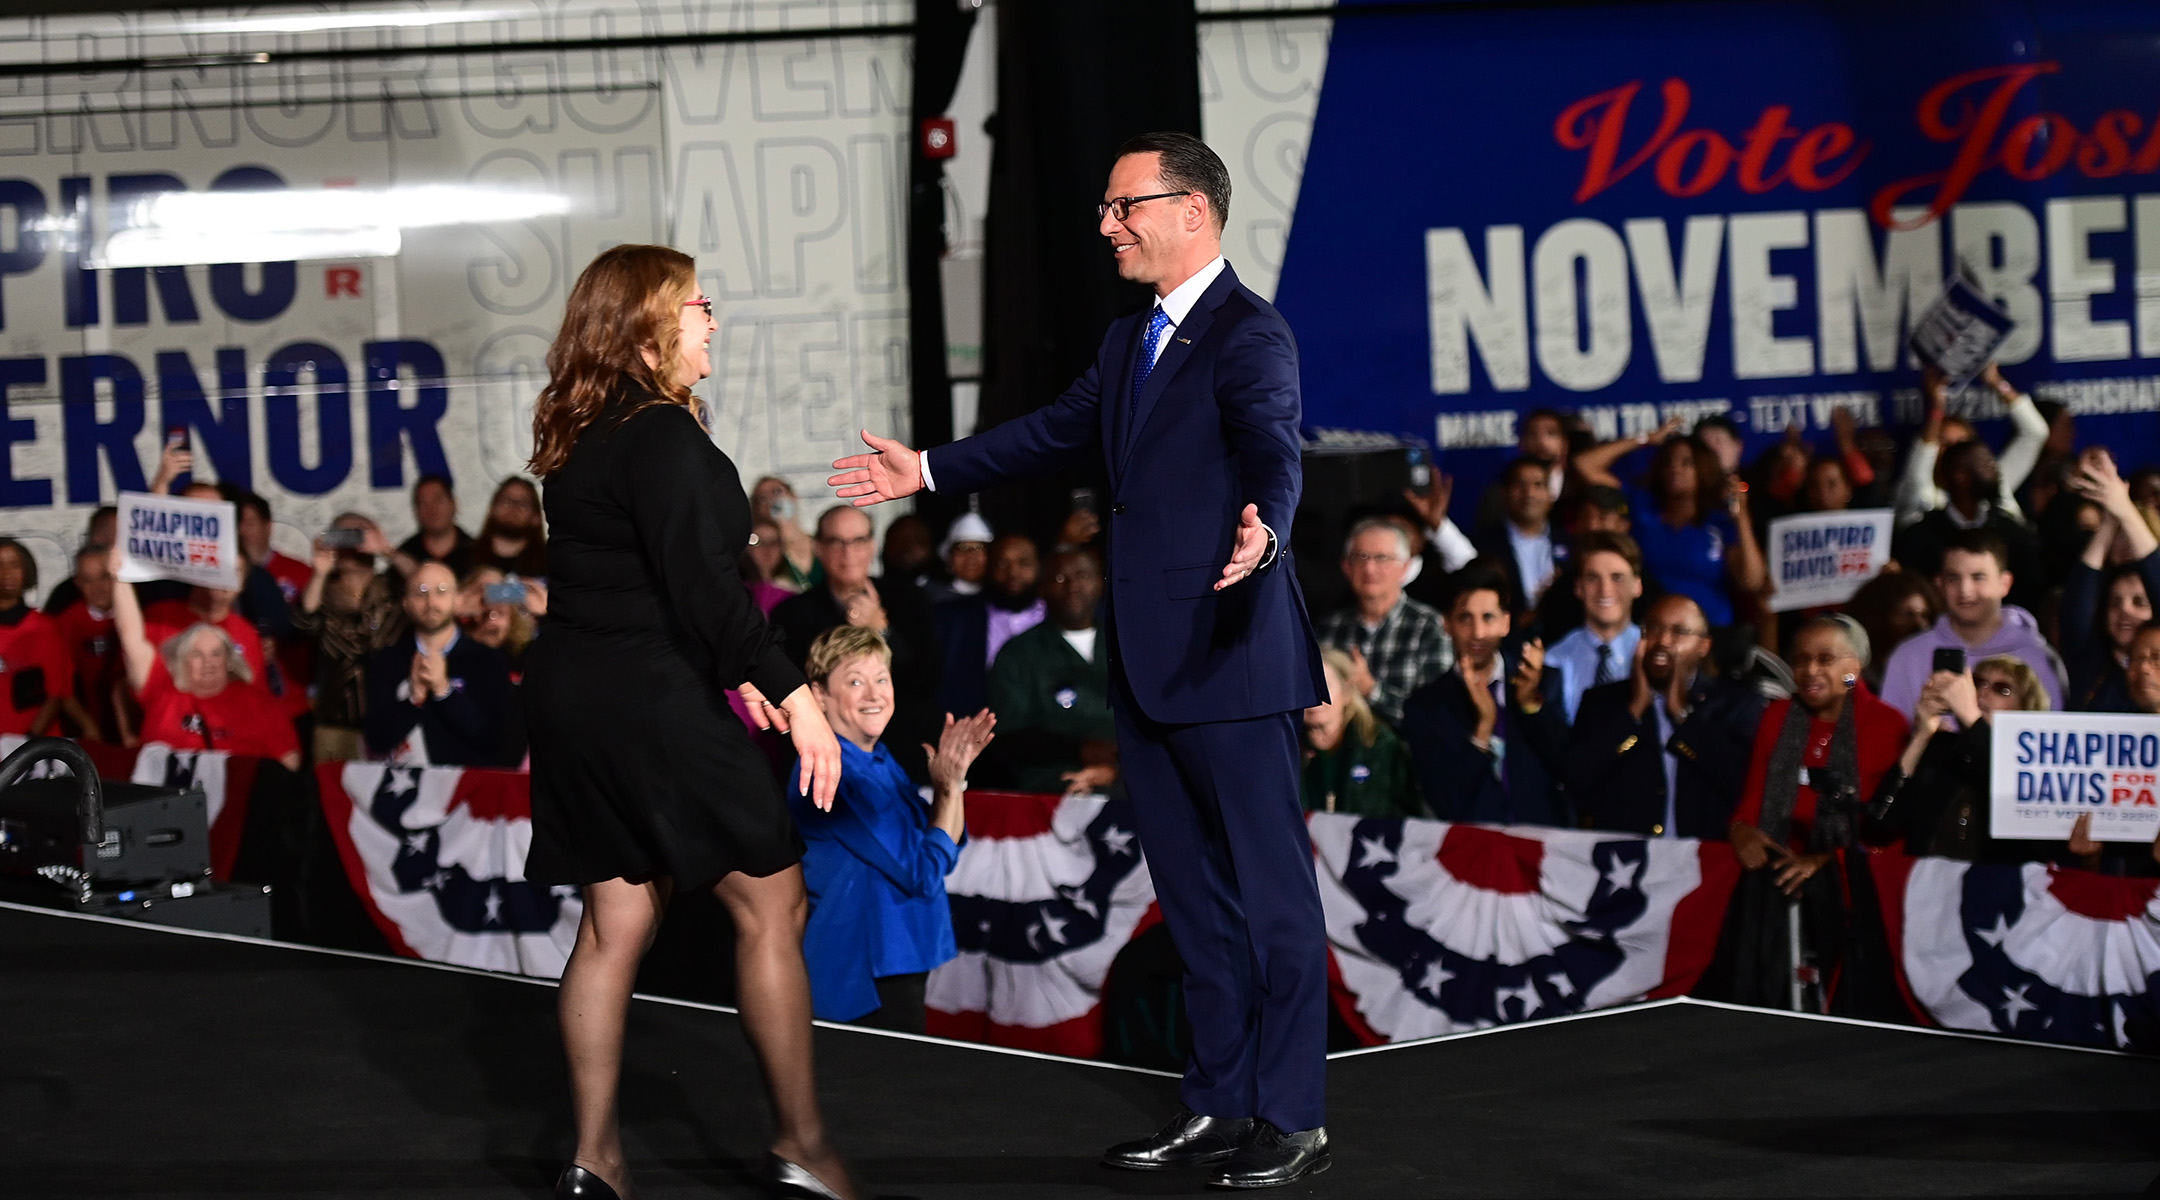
[{"x": 1533, "y": 561}]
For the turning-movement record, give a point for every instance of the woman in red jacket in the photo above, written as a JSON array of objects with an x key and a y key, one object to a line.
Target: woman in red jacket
[
  {"x": 1818, "y": 757},
  {"x": 1832, "y": 734}
]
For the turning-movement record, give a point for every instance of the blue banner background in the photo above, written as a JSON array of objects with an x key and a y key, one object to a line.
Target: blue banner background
[{"x": 1437, "y": 118}]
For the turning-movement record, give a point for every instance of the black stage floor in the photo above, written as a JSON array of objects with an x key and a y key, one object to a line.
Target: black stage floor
[{"x": 144, "y": 1063}]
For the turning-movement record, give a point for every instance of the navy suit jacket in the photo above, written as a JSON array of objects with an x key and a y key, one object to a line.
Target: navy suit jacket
[
  {"x": 469, "y": 728},
  {"x": 1614, "y": 767},
  {"x": 1216, "y": 428},
  {"x": 1460, "y": 782}
]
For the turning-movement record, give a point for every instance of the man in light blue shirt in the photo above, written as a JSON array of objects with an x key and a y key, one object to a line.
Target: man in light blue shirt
[{"x": 1601, "y": 650}]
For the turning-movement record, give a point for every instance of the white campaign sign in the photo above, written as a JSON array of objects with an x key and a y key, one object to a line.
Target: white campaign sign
[
  {"x": 1823, "y": 558},
  {"x": 2048, "y": 769},
  {"x": 166, "y": 537}
]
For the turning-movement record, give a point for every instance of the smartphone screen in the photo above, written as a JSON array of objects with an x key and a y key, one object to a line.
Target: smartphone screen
[
  {"x": 343, "y": 539},
  {"x": 504, "y": 593},
  {"x": 1950, "y": 658}
]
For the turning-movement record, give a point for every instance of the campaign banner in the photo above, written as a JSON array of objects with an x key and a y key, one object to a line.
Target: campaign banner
[
  {"x": 1959, "y": 334},
  {"x": 1634, "y": 214},
  {"x": 1818, "y": 559},
  {"x": 168, "y": 537},
  {"x": 340, "y": 280},
  {"x": 2049, "y": 769}
]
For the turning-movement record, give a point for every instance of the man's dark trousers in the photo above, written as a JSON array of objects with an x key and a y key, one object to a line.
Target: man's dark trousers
[{"x": 1233, "y": 870}]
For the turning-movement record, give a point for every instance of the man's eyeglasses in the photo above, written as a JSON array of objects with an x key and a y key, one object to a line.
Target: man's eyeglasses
[
  {"x": 1121, "y": 206},
  {"x": 1364, "y": 560},
  {"x": 434, "y": 589},
  {"x": 1678, "y": 631},
  {"x": 853, "y": 543},
  {"x": 704, "y": 304}
]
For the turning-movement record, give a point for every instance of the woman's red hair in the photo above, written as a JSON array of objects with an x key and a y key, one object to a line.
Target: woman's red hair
[{"x": 628, "y": 301}]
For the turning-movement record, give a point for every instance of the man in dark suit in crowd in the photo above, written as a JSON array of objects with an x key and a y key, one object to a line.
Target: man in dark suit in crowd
[
  {"x": 894, "y": 608},
  {"x": 1483, "y": 736},
  {"x": 1542, "y": 434},
  {"x": 1665, "y": 751},
  {"x": 442, "y": 697},
  {"x": 1525, "y": 543},
  {"x": 1193, "y": 406}
]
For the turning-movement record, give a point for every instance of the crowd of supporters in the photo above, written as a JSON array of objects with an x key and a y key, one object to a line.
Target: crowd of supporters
[
  {"x": 1597, "y": 650},
  {"x": 1601, "y": 649}
]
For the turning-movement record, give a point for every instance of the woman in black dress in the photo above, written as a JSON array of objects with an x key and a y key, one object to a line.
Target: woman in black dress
[{"x": 642, "y": 778}]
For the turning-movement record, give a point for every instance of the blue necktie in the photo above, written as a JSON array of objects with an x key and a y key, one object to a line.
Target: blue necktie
[{"x": 1155, "y": 326}]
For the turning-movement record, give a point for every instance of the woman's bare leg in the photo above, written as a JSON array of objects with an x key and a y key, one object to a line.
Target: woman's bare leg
[
  {"x": 773, "y": 992},
  {"x": 620, "y": 921}
]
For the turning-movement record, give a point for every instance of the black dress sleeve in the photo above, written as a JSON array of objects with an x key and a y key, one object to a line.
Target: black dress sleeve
[{"x": 678, "y": 490}]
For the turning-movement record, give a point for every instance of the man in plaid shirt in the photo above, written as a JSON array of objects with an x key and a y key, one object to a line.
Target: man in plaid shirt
[{"x": 1398, "y": 644}]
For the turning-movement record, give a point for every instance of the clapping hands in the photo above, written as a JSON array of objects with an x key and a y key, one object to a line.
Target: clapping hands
[{"x": 962, "y": 740}]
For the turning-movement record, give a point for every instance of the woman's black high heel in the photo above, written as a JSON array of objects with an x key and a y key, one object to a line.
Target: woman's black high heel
[
  {"x": 785, "y": 1179},
  {"x": 577, "y": 1183}
]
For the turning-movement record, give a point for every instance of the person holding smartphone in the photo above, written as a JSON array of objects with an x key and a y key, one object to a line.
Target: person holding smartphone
[
  {"x": 1936, "y": 798},
  {"x": 351, "y": 610},
  {"x": 1976, "y": 582}
]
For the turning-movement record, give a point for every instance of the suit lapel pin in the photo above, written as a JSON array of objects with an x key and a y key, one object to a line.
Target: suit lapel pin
[{"x": 1187, "y": 341}]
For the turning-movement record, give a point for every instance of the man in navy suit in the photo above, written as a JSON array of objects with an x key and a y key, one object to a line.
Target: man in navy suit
[
  {"x": 1194, "y": 407},
  {"x": 1484, "y": 736}
]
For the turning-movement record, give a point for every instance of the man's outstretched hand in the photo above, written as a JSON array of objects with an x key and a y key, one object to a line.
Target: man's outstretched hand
[
  {"x": 1252, "y": 538},
  {"x": 890, "y": 471}
]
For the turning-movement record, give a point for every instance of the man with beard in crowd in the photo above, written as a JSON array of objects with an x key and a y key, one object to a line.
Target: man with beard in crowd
[
  {"x": 972, "y": 629},
  {"x": 1664, "y": 751},
  {"x": 441, "y": 698},
  {"x": 439, "y": 538},
  {"x": 1050, "y": 689},
  {"x": 1973, "y": 483}
]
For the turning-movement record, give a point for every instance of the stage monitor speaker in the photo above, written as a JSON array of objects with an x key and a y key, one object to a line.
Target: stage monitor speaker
[
  {"x": 236, "y": 908},
  {"x": 152, "y": 834},
  {"x": 1340, "y": 480}
]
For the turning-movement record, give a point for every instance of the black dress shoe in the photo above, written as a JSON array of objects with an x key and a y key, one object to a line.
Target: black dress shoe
[
  {"x": 577, "y": 1183},
  {"x": 1272, "y": 1158},
  {"x": 1189, "y": 1140}
]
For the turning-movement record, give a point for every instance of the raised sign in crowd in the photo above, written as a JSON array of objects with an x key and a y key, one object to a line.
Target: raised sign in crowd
[{"x": 1827, "y": 655}]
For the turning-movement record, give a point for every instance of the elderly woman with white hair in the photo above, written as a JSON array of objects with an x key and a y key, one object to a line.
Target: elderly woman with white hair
[
  {"x": 1818, "y": 758},
  {"x": 1833, "y": 736},
  {"x": 197, "y": 689}
]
